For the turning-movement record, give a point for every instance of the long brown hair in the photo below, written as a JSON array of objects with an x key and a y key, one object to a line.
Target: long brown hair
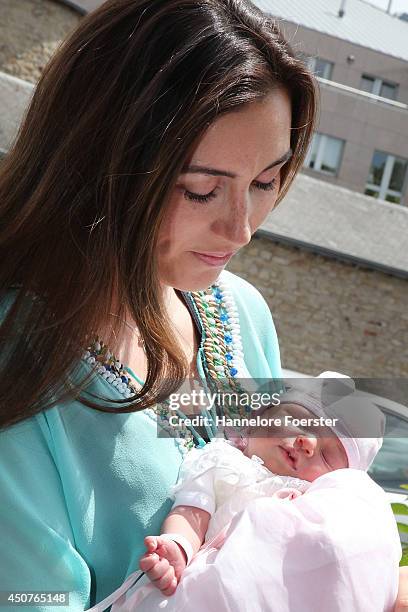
[{"x": 114, "y": 117}]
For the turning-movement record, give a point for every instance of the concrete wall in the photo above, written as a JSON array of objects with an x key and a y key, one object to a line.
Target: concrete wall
[
  {"x": 15, "y": 95},
  {"x": 30, "y": 32},
  {"x": 330, "y": 315}
]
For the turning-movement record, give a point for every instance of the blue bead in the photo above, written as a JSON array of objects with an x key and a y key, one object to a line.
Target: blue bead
[
  {"x": 218, "y": 295},
  {"x": 224, "y": 317},
  {"x": 228, "y": 356},
  {"x": 108, "y": 368},
  {"x": 124, "y": 379},
  {"x": 233, "y": 371},
  {"x": 227, "y": 338}
]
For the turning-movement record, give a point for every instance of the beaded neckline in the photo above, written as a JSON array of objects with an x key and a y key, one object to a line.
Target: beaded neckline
[{"x": 222, "y": 350}]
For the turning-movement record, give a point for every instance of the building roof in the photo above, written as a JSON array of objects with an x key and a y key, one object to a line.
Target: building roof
[
  {"x": 343, "y": 224},
  {"x": 362, "y": 24}
]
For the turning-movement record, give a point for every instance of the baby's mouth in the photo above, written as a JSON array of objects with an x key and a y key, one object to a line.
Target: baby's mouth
[{"x": 290, "y": 456}]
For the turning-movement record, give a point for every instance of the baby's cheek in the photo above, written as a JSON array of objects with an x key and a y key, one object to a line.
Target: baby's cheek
[{"x": 312, "y": 472}]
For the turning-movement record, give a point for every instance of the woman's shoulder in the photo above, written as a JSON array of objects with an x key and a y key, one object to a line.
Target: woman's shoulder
[{"x": 242, "y": 289}]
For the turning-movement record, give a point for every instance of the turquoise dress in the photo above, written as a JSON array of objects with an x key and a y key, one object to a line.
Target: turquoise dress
[{"x": 80, "y": 489}]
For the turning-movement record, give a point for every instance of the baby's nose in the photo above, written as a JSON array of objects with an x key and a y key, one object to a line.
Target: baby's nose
[{"x": 307, "y": 444}]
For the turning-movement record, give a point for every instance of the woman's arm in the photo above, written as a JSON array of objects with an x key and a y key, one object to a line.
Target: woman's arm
[
  {"x": 401, "y": 605},
  {"x": 37, "y": 541}
]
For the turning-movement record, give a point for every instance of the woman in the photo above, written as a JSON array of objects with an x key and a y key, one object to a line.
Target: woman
[{"x": 158, "y": 139}]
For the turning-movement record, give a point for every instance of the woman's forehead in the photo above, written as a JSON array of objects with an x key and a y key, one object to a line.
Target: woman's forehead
[{"x": 256, "y": 135}]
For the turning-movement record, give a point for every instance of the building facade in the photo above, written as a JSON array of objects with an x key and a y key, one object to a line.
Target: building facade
[{"x": 360, "y": 58}]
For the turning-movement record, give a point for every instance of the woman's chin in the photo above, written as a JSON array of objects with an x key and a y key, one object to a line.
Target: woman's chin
[{"x": 196, "y": 282}]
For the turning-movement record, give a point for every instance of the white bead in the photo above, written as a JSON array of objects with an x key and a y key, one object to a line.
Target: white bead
[
  {"x": 86, "y": 355},
  {"x": 219, "y": 368},
  {"x": 118, "y": 365},
  {"x": 91, "y": 360},
  {"x": 97, "y": 346},
  {"x": 217, "y": 355},
  {"x": 111, "y": 378}
]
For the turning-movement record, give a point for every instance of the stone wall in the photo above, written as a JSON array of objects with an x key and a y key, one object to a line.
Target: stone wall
[
  {"x": 30, "y": 31},
  {"x": 330, "y": 315}
]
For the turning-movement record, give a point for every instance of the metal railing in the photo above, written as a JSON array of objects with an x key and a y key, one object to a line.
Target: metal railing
[{"x": 365, "y": 94}]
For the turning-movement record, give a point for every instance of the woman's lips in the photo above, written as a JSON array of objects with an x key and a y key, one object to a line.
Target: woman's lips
[{"x": 213, "y": 260}]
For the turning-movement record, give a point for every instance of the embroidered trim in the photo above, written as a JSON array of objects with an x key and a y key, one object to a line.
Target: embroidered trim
[{"x": 222, "y": 347}]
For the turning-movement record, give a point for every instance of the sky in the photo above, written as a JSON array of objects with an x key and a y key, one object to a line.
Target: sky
[{"x": 397, "y": 6}]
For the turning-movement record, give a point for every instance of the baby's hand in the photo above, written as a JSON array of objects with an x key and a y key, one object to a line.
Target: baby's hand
[{"x": 164, "y": 563}]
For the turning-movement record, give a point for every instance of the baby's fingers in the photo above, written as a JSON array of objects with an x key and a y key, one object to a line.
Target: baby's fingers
[
  {"x": 157, "y": 572},
  {"x": 168, "y": 583},
  {"x": 148, "y": 561},
  {"x": 151, "y": 543}
]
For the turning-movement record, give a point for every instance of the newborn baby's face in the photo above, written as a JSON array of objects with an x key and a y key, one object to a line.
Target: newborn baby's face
[{"x": 298, "y": 452}]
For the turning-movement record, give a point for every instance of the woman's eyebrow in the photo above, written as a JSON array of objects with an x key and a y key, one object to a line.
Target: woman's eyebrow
[{"x": 214, "y": 172}]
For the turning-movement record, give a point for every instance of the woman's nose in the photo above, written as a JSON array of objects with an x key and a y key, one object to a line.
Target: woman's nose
[
  {"x": 306, "y": 444},
  {"x": 235, "y": 225}
]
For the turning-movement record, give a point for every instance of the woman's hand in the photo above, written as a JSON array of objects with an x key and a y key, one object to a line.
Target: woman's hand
[
  {"x": 401, "y": 605},
  {"x": 163, "y": 563}
]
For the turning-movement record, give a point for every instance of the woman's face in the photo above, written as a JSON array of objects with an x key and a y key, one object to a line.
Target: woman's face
[{"x": 226, "y": 190}]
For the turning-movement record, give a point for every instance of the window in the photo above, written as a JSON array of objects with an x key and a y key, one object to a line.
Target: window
[
  {"x": 320, "y": 67},
  {"x": 379, "y": 87},
  {"x": 386, "y": 177},
  {"x": 325, "y": 154}
]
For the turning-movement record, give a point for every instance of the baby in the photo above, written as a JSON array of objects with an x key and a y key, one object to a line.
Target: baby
[
  {"x": 218, "y": 482},
  {"x": 277, "y": 523}
]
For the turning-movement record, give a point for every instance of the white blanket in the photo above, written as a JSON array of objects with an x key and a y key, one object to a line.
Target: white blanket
[{"x": 333, "y": 549}]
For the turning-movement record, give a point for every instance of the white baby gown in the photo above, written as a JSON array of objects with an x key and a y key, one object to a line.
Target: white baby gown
[
  {"x": 335, "y": 548},
  {"x": 221, "y": 480}
]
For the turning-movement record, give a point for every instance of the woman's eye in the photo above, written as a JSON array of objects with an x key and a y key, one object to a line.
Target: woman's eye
[
  {"x": 196, "y": 197},
  {"x": 204, "y": 198},
  {"x": 266, "y": 186}
]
